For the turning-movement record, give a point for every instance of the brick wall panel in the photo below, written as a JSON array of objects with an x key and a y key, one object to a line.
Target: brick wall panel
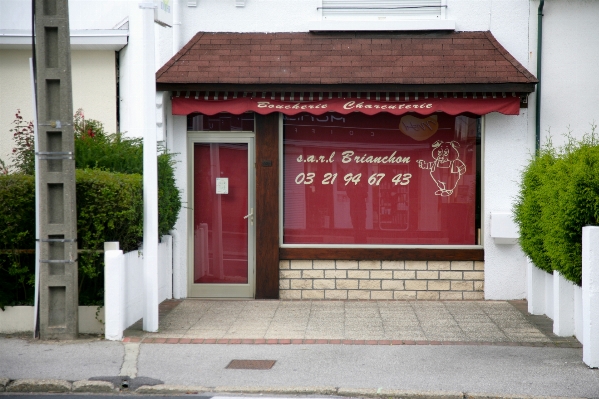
[
  {"x": 324, "y": 264},
  {"x": 346, "y": 284},
  {"x": 312, "y": 273},
  {"x": 369, "y": 264},
  {"x": 346, "y": 264},
  {"x": 404, "y": 275},
  {"x": 415, "y": 285},
  {"x": 369, "y": 284},
  {"x": 404, "y": 295},
  {"x": 360, "y": 274},
  {"x": 380, "y": 274},
  {"x": 427, "y": 295},
  {"x": 381, "y": 280},
  {"x": 324, "y": 284},
  {"x": 462, "y": 265},
  {"x": 381, "y": 295},
  {"x": 415, "y": 265},
  {"x": 392, "y": 265},
  {"x": 313, "y": 294},
  {"x": 340, "y": 274},
  {"x": 335, "y": 294},
  {"x": 358, "y": 294}
]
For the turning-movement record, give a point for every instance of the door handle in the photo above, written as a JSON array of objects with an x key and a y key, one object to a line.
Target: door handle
[{"x": 250, "y": 216}]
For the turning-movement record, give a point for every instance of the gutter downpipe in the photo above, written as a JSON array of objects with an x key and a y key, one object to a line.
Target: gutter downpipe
[{"x": 539, "y": 51}]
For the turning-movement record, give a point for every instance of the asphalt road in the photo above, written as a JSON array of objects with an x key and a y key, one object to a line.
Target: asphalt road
[{"x": 497, "y": 370}]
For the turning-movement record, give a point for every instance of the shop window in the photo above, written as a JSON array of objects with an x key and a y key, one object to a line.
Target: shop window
[
  {"x": 381, "y": 180},
  {"x": 223, "y": 122}
]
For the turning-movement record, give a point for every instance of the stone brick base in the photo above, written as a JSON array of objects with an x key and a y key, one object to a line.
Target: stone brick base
[{"x": 375, "y": 279}]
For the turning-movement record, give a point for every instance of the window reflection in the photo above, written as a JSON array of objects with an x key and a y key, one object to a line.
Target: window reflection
[
  {"x": 223, "y": 122},
  {"x": 382, "y": 179}
]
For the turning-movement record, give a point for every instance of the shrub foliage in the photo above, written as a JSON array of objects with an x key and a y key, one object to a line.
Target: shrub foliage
[
  {"x": 109, "y": 206},
  {"x": 559, "y": 195}
]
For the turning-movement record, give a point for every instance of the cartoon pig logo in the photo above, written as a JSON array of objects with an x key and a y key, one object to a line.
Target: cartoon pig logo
[{"x": 447, "y": 168}]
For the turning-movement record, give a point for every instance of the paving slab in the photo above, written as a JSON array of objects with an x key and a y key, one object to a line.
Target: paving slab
[
  {"x": 67, "y": 360},
  {"x": 482, "y": 321}
]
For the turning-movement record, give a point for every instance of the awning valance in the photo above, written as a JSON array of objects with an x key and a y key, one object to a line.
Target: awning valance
[{"x": 210, "y": 103}]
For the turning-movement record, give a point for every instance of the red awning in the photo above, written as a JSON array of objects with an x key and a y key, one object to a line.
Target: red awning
[{"x": 211, "y": 103}]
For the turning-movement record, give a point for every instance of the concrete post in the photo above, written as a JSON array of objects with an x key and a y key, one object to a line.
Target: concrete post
[
  {"x": 563, "y": 306},
  {"x": 536, "y": 288},
  {"x": 114, "y": 292},
  {"x": 58, "y": 288},
  {"x": 590, "y": 295}
]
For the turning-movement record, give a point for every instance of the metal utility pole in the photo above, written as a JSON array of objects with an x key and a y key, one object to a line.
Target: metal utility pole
[{"x": 58, "y": 288}]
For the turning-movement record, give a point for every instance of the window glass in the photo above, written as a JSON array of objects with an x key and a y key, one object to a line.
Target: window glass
[
  {"x": 223, "y": 122},
  {"x": 382, "y": 179},
  {"x": 377, "y": 10}
]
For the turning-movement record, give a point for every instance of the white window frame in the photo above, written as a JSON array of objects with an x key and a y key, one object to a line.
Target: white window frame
[{"x": 354, "y": 19}]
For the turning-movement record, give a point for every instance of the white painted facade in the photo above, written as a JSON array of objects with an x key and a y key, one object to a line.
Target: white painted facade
[
  {"x": 569, "y": 86},
  {"x": 97, "y": 32},
  {"x": 508, "y": 140},
  {"x": 94, "y": 89}
]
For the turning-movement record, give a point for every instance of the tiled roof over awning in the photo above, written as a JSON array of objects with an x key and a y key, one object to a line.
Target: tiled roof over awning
[{"x": 346, "y": 59}]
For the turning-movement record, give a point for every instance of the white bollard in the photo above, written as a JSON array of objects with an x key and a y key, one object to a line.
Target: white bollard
[
  {"x": 549, "y": 295},
  {"x": 563, "y": 306},
  {"x": 114, "y": 294},
  {"x": 536, "y": 288},
  {"x": 590, "y": 295}
]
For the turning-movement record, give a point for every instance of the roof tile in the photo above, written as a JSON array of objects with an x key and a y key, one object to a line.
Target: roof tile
[{"x": 344, "y": 58}]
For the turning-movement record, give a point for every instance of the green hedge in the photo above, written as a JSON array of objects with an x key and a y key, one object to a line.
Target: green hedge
[
  {"x": 109, "y": 205},
  {"x": 116, "y": 153},
  {"x": 559, "y": 195},
  {"x": 17, "y": 231},
  {"x": 109, "y": 208}
]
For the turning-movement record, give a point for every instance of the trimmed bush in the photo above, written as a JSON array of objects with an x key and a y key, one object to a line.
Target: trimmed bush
[
  {"x": 529, "y": 208},
  {"x": 559, "y": 195},
  {"x": 113, "y": 152},
  {"x": 109, "y": 208},
  {"x": 17, "y": 231}
]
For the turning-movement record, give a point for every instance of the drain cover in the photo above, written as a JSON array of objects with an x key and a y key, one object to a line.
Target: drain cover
[{"x": 251, "y": 364}]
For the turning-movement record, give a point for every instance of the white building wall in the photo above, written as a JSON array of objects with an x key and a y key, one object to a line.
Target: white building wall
[
  {"x": 570, "y": 90},
  {"x": 507, "y": 148},
  {"x": 570, "y": 60},
  {"x": 506, "y": 19},
  {"x": 94, "y": 90},
  {"x": 509, "y": 140}
]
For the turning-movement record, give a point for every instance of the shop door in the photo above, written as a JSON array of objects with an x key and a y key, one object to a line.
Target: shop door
[{"x": 223, "y": 218}]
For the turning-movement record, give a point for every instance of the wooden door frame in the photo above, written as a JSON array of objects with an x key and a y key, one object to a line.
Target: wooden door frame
[{"x": 267, "y": 205}]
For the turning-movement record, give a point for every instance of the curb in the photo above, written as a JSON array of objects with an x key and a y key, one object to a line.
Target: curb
[
  {"x": 31, "y": 385},
  {"x": 569, "y": 343},
  {"x": 55, "y": 386},
  {"x": 86, "y": 386}
]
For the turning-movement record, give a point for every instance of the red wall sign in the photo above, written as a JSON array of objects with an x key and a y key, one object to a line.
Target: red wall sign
[{"x": 382, "y": 179}]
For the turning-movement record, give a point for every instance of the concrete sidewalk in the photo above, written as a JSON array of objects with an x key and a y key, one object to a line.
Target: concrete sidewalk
[
  {"x": 467, "y": 350},
  {"x": 350, "y": 322}
]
